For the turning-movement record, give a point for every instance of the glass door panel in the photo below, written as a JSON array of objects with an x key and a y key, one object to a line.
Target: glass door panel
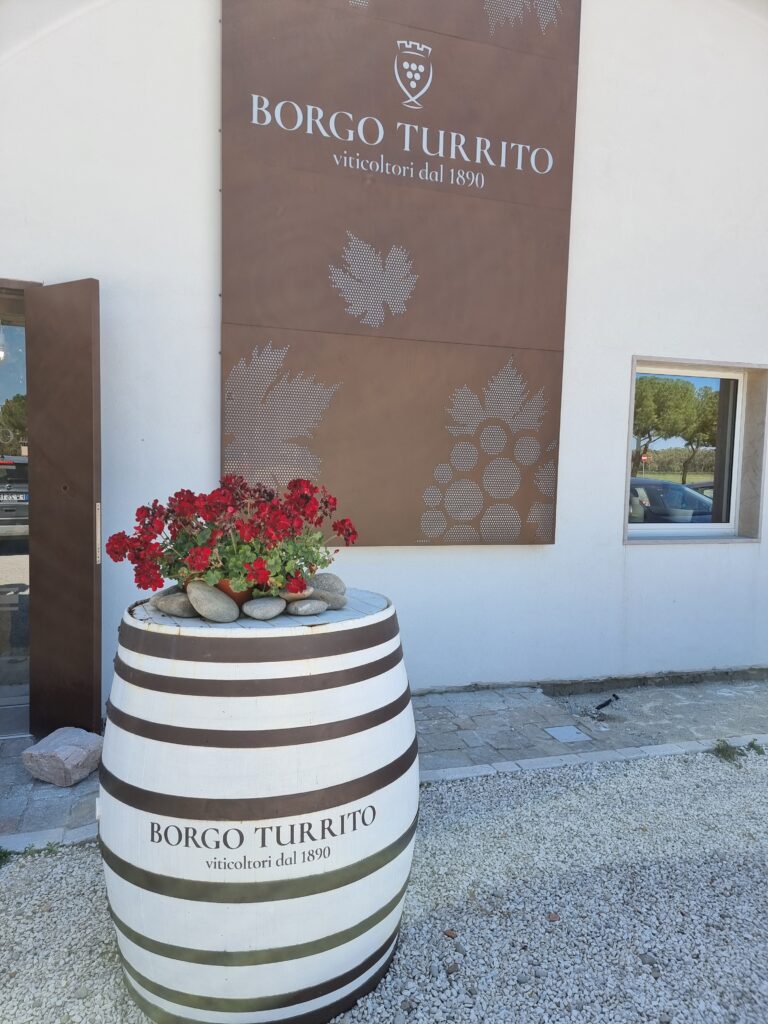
[{"x": 14, "y": 519}]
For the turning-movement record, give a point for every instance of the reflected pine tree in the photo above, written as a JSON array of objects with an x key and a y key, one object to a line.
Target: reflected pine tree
[{"x": 13, "y": 425}]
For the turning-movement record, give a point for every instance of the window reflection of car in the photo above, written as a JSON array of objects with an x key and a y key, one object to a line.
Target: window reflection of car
[
  {"x": 662, "y": 501},
  {"x": 14, "y": 496},
  {"x": 706, "y": 487}
]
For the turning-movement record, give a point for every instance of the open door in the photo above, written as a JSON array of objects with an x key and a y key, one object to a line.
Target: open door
[{"x": 62, "y": 337}]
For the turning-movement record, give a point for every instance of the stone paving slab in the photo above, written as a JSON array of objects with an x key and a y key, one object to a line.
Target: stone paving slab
[
  {"x": 34, "y": 813},
  {"x": 463, "y": 734}
]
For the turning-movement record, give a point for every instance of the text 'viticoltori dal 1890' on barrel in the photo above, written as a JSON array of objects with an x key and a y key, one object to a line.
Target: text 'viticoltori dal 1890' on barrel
[{"x": 258, "y": 806}]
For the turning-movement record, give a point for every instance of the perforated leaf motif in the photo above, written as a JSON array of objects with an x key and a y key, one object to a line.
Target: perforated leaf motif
[
  {"x": 368, "y": 283},
  {"x": 466, "y": 411},
  {"x": 265, "y": 411},
  {"x": 500, "y": 11},
  {"x": 547, "y": 12},
  {"x": 505, "y": 397},
  {"x": 511, "y": 12}
]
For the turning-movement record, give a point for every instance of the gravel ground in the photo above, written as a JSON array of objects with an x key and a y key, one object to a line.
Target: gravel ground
[{"x": 623, "y": 893}]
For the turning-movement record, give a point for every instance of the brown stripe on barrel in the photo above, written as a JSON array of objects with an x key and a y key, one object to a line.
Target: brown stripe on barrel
[
  {"x": 235, "y": 738},
  {"x": 257, "y": 808},
  {"x": 256, "y": 647},
  {"x": 255, "y": 957},
  {"x": 259, "y": 1003},
  {"x": 278, "y": 687},
  {"x": 319, "y": 1016}
]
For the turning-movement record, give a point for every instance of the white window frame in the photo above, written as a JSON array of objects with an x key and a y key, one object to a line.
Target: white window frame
[{"x": 689, "y": 531}]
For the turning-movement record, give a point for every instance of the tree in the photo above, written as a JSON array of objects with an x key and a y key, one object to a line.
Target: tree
[
  {"x": 13, "y": 424},
  {"x": 664, "y": 407},
  {"x": 701, "y": 429}
]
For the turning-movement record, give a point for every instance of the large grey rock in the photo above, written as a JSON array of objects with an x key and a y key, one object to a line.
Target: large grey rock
[
  {"x": 212, "y": 603},
  {"x": 175, "y": 603},
  {"x": 65, "y": 757},
  {"x": 289, "y": 597},
  {"x": 264, "y": 608},
  {"x": 332, "y": 599},
  {"x": 330, "y": 582},
  {"x": 307, "y": 607}
]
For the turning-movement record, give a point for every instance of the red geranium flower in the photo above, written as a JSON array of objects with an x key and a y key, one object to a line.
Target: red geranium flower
[
  {"x": 295, "y": 585},
  {"x": 182, "y": 503},
  {"x": 345, "y": 529},
  {"x": 257, "y": 572},
  {"x": 230, "y": 533},
  {"x": 198, "y": 559},
  {"x": 117, "y": 546},
  {"x": 148, "y": 576},
  {"x": 246, "y": 530}
]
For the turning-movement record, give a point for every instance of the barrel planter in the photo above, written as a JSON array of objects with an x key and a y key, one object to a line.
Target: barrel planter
[{"x": 258, "y": 805}]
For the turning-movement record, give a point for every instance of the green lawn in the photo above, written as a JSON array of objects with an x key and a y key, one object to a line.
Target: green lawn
[{"x": 693, "y": 478}]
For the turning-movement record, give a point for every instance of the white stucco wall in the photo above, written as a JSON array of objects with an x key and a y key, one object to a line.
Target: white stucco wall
[{"x": 110, "y": 169}]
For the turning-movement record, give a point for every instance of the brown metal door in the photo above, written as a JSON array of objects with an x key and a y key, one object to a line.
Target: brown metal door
[{"x": 62, "y": 332}]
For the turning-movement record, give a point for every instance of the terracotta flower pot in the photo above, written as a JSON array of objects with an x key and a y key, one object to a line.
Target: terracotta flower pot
[{"x": 239, "y": 596}]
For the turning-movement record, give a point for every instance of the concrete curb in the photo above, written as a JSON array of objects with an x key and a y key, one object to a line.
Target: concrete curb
[
  {"x": 22, "y": 841},
  {"x": 573, "y": 687}
]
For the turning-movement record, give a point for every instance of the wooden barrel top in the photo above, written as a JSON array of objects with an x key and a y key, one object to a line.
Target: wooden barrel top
[{"x": 361, "y": 605}]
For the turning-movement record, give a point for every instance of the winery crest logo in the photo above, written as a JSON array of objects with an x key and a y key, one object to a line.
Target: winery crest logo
[{"x": 413, "y": 71}]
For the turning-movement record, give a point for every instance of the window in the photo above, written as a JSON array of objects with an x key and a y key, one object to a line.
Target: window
[{"x": 685, "y": 452}]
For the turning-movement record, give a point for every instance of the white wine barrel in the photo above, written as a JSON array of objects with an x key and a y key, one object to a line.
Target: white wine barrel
[{"x": 258, "y": 805}]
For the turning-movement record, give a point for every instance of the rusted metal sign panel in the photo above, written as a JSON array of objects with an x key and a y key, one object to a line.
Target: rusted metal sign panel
[{"x": 396, "y": 209}]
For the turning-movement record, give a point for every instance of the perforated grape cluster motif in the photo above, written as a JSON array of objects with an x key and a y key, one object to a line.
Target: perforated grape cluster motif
[{"x": 476, "y": 495}]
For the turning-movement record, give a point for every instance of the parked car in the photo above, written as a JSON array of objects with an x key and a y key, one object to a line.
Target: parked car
[
  {"x": 706, "y": 487},
  {"x": 14, "y": 496},
  {"x": 662, "y": 501}
]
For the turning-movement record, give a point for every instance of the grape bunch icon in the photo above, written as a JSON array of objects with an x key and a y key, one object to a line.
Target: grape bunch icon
[{"x": 413, "y": 71}]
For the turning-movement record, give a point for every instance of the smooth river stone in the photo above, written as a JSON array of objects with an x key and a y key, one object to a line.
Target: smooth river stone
[
  {"x": 334, "y": 601},
  {"x": 329, "y": 582},
  {"x": 212, "y": 603},
  {"x": 289, "y": 597},
  {"x": 307, "y": 607},
  {"x": 263, "y": 608},
  {"x": 176, "y": 603}
]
